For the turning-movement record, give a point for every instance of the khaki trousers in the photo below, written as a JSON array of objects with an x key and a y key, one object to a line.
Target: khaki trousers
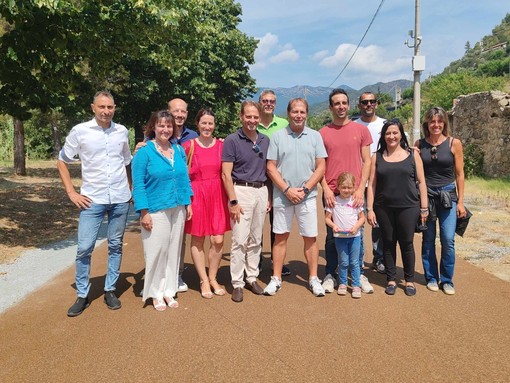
[{"x": 247, "y": 234}]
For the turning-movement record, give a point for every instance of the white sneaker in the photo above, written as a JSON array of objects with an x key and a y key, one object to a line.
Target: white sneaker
[
  {"x": 316, "y": 287},
  {"x": 448, "y": 289},
  {"x": 366, "y": 287},
  {"x": 432, "y": 286},
  {"x": 329, "y": 283},
  {"x": 181, "y": 285},
  {"x": 273, "y": 286}
]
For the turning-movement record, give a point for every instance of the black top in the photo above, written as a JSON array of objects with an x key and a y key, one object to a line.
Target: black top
[
  {"x": 439, "y": 171},
  {"x": 396, "y": 183}
]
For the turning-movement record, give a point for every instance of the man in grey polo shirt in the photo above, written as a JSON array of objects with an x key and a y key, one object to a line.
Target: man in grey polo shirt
[
  {"x": 244, "y": 176},
  {"x": 296, "y": 163}
]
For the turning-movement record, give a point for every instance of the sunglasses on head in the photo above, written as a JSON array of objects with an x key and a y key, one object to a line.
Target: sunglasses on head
[
  {"x": 268, "y": 102},
  {"x": 366, "y": 102},
  {"x": 433, "y": 151}
]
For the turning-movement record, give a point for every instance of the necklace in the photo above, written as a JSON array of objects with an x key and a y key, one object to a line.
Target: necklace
[{"x": 169, "y": 155}]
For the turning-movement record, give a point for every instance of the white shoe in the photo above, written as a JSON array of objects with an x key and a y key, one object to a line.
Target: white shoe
[
  {"x": 448, "y": 289},
  {"x": 432, "y": 286},
  {"x": 273, "y": 286},
  {"x": 181, "y": 285},
  {"x": 316, "y": 287},
  {"x": 329, "y": 283},
  {"x": 366, "y": 287}
]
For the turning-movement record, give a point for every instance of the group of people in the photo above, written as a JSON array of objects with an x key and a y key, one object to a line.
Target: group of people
[{"x": 187, "y": 182}]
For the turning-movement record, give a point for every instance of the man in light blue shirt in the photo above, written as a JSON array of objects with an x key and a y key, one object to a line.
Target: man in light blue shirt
[
  {"x": 296, "y": 163},
  {"x": 103, "y": 149}
]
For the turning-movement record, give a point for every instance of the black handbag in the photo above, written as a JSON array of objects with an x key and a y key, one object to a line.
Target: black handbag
[{"x": 462, "y": 223}]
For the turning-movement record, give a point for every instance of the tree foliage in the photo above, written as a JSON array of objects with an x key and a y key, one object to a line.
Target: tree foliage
[
  {"x": 443, "y": 89},
  {"x": 481, "y": 57},
  {"x": 54, "y": 54}
]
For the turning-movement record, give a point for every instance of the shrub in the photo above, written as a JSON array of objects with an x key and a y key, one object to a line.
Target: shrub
[{"x": 473, "y": 161}]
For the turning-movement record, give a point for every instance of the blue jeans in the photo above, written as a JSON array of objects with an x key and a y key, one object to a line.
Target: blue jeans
[
  {"x": 348, "y": 258},
  {"x": 447, "y": 221},
  {"x": 88, "y": 230},
  {"x": 332, "y": 254}
]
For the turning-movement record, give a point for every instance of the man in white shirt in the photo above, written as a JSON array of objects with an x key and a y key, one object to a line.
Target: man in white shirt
[
  {"x": 103, "y": 149},
  {"x": 367, "y": 106}
]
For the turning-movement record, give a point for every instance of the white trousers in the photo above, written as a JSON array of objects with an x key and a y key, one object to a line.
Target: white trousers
[{"x": 162, "y": 250}]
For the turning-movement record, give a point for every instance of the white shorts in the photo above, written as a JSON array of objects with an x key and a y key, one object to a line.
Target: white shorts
[{"x": 306, "y": 217}]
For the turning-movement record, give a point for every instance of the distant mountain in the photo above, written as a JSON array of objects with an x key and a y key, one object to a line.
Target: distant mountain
[{"x": 318, "y": 96}]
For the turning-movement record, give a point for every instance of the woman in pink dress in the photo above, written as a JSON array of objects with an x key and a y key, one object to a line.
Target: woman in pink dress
[{"x": 209, "y": 202}]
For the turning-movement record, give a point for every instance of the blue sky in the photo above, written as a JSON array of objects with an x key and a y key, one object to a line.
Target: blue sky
[{"x": 307, "y": 42}]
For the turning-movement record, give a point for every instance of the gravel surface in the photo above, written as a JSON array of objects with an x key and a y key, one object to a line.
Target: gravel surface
[{"x": 38, "y": 266}]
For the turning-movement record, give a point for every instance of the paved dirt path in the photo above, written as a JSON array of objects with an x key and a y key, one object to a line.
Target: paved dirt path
[{"x": 291, "y": 337}]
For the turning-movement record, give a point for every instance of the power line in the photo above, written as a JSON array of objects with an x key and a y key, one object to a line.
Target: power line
[{"x": 359, "y": 44}]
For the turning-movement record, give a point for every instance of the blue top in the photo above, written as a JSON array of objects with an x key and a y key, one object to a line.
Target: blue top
[
  {"x": 187, "y": 134},
  {"x": 295, "y": 157},
  {"x": 249, "y": 160},
  {"x": 157, "y": 184}
]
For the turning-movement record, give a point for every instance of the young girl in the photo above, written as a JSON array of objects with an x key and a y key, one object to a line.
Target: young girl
[{"x": 346, "y": 221}]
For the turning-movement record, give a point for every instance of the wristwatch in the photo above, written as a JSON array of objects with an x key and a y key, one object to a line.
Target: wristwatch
[
  {"x": 306, "y": 190},
  {"x": 233, "y": 202}
]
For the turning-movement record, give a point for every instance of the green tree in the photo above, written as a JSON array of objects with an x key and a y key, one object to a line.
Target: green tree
[
  {"x": 55, "y": 54},
  {"x": 443, "y": 89}
]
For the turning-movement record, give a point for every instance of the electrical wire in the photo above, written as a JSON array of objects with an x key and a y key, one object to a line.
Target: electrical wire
[{"x": 359, "y": 44}]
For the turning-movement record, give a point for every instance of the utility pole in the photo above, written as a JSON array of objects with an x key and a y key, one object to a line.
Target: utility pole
[{"x": 418, "y": 67}]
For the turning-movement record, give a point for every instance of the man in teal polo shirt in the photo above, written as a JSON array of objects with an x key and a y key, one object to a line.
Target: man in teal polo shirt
[{"x": 269, "y": 124}]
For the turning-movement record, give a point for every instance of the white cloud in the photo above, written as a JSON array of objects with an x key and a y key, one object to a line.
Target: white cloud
[
  {"x": 284, "y": 56},
  {"x": 318, "y": 56},
  {"x": 269, "y": 51},
  {"x": 370, "y": 59},
  {"x": 265, "y": 46}
]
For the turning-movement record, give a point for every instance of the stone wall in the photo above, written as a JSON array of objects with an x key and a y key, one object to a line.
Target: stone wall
[{"x": 483, "y": 119}]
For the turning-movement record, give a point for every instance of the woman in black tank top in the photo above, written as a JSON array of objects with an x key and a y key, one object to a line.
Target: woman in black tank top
[
  {"x": 396, "y": 192},
  {"x": 443, "y": 162}
]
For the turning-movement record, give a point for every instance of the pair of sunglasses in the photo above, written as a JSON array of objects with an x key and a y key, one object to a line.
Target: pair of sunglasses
[
  {"x": 255, "y": 148},
  {"x": 366, "y": 102},
  {"x": 433, "y": 152}
]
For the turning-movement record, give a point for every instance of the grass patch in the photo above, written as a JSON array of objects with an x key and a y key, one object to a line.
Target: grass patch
[{"x": 488, "y": 189}]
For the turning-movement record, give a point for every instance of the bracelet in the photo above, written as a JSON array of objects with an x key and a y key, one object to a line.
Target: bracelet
[
  {"x": 286, "y": 190},
  {"x": 424, "y": 209}
]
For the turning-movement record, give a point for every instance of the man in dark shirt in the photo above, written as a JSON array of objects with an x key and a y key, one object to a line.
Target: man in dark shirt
[{"x": 244, "y": 176}]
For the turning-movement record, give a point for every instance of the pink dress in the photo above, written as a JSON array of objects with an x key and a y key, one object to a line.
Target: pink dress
[{"x": 209, "y": 201}]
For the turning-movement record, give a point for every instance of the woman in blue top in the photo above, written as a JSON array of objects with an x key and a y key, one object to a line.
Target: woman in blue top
[{"x": 162, "y": 195}]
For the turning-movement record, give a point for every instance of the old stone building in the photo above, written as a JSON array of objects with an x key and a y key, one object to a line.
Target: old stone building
[{"x": 483, "y": 120}]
